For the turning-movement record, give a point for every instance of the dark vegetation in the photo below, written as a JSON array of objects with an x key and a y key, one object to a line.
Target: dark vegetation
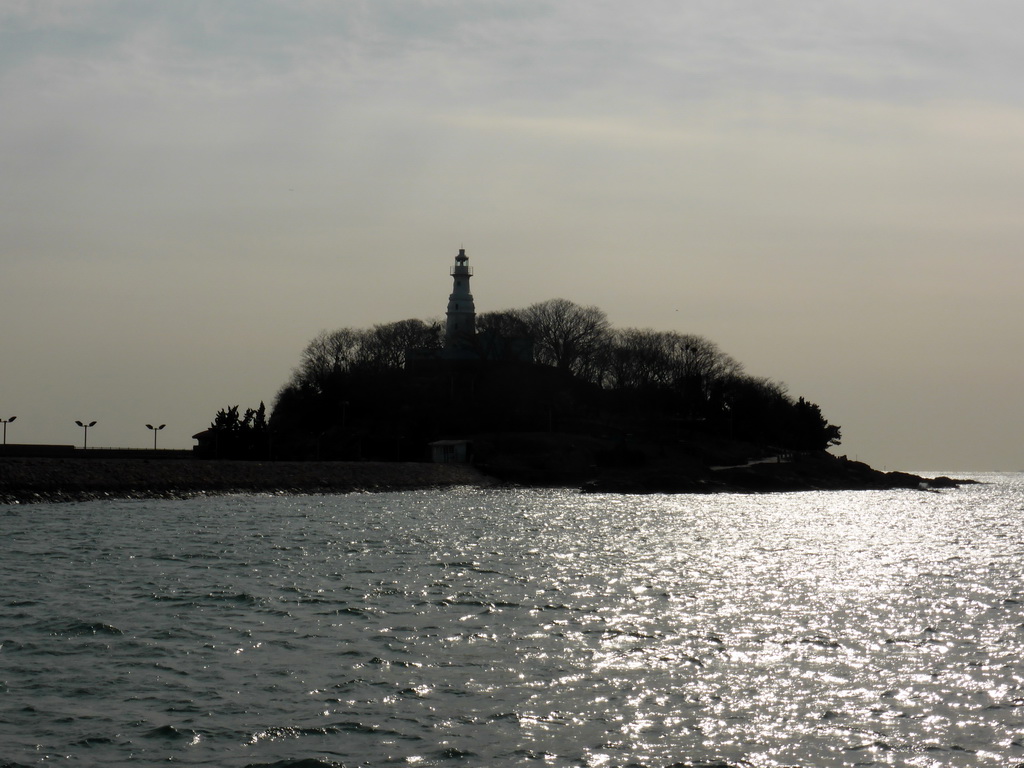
[{"x": 596, "y": 401}]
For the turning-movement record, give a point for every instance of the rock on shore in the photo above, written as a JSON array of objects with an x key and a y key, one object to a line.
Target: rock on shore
[
  {"x": 698, "y": 465},
  {"x": 73, "y": 479}
]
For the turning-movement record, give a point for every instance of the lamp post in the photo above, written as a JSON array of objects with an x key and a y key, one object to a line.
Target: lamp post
[
  {"x": 6, "y": 422},
  {"x": 85, "y": 440},
  {"x": 155, "y": 430}
]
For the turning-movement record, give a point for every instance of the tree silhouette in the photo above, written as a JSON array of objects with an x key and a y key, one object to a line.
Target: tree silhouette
[
  {"x": 352, "y": 395},
  {"x": 569, "y": 337}
]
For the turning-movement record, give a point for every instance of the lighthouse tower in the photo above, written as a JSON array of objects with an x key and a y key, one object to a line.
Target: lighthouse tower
[{"x": 460, "y": 327}]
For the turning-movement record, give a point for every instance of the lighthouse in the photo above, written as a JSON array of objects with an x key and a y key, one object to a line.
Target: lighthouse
[{"x": 460, "y": 327}]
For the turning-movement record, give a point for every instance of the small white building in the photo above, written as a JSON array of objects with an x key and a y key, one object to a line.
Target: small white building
[{"x": 450, "y": 451}]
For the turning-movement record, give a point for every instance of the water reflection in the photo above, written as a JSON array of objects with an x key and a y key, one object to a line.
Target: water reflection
[
  {"x": 510, "y": 627},
  {"x": 832, "y": 624}
]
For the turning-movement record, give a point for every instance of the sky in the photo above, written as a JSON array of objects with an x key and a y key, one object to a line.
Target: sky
[{"x": 832, "y": 192}]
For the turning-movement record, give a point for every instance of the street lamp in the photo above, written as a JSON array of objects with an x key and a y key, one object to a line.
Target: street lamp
[
  {"x": 85, "y": 440},
  {"x": 155, "y": 430},
  {"x": 6, "y": 422}
]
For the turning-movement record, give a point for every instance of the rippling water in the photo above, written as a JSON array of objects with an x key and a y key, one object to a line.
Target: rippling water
[{"x": 501, "y": 628}]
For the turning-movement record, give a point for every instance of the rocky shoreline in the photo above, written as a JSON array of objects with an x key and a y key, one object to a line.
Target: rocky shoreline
[
  {"x": 28, "y": 480},
  {"x": 811, "y": 472},
  {"x": 698, "y": 465}
]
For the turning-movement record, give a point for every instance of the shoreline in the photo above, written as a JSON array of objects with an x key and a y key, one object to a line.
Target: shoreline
[
  {"x": 47, "y": 480},
  {"x": 28, "y": 480}
]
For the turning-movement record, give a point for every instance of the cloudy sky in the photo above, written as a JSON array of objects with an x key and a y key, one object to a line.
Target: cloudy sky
[{"x": 832, "y": 192}]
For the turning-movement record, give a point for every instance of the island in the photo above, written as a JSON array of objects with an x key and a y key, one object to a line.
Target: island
[{"x": 550, "y": 395}]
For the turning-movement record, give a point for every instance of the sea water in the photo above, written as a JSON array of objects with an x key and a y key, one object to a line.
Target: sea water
[{"x": 517, "y": 627}]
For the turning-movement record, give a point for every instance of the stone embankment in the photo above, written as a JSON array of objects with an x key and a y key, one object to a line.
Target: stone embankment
[{"x": 25, "y": 480}]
